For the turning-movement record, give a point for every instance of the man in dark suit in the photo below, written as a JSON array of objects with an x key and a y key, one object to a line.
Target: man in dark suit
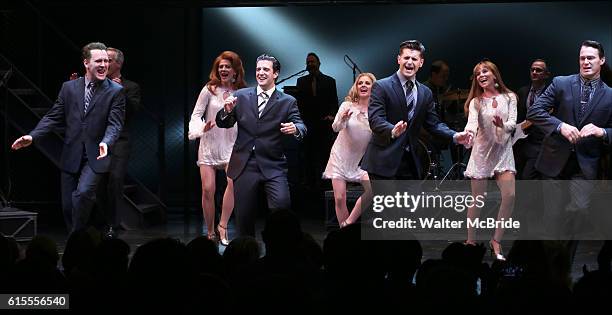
[
  {"x": 264, "y": 115},
  {"x": 91, "y": 109},
  {"x": 399, "y": 107},
  {"x": 575, "y": 133},
  {"x": 318, "y": 103},
  {"x": 526, "y": 150},
  {"x": 111, "y": 186}
]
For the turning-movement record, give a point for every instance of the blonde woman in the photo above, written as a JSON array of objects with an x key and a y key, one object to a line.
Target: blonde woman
[{"x": 354, "y": 134}]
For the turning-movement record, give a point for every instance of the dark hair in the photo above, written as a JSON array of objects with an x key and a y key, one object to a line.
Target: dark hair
[
  {"x": 86, "y": 51},
  {"x": 596, "y": 45},
  {"x": 412, "y": 44},
  {"x": 314, "y": 55},
  {"x": 276, "y": 66},
  {"x": 436, "y": 66}
]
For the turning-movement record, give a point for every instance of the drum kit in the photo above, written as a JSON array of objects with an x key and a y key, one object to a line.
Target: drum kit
[{"x": 450, "y": 110}]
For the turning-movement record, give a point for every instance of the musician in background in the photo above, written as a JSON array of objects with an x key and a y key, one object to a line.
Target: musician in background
[{"x": 526, "y": 150}]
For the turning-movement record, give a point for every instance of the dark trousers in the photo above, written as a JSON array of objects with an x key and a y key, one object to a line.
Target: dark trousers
[
  {"x": 246, "y": 188},
  {"x": 406, "y": 170},
  {"x": 110, "y": 190},
  {"x": 79, "y": 196},
  {"x": 563, "y": 216}
]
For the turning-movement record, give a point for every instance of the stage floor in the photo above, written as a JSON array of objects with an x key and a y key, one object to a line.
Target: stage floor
[{"x": 188, "y": 228}]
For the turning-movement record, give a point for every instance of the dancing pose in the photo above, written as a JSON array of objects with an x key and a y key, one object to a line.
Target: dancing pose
[
  {"x": 351, "y": 123},
  {"x": 264, "y": 115},
  {"x": 491, "y": 109},
  {"x": 226, "y": 76},
  {"x": 92, "y": 110}
]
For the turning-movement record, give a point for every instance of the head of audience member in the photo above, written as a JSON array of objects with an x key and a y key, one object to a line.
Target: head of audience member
[
  {"x": 539, "y": 72},
  {"x": 241, "y": 252},
  {"x": 80, "y": 250},
  {"x": 267, "y": 71},
  {"x": 312, "y": 63},
  {"x": 362, "y": 88},
  {"x": 486, "y": 75},
  {"x": 115, "y": 62},
  {"x": 439, "y": 73},
  {"x": 204, "y": 256},
  {"x": 226, "y": 70},
  {"x": 591, "y": 59},
  {"x": 410, "y": 58},
  {"x": 282, "y": 234},
  {"x": 95, "y": 60},
  {"x": 42, "y": 250}
]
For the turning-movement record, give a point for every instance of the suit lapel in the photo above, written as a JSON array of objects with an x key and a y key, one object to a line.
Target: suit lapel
[
  {"x": 400, "y": 94},
  {"x": 254, "y": 102},
  {"x": 576, "y": 96},
  {"x": 100, "y": 90},
  {"x": 80, "y": 86},
  {"x": 599, "y": 91},
  {"x": 420, "y": 99}
]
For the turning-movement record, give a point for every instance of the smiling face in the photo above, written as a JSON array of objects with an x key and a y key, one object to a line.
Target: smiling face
[
  {"x": 96, "y": 67},
  {"x": 485, "y": 77},
  {"x": 265, "y": 75},
  {"x": 364, "y": 86},
  {"x": 410, "y": 61},
  {"x": 590, "y": 62},
  {"x": 226, "y": 72}
]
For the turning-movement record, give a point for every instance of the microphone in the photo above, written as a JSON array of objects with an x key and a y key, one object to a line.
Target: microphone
[{"x": 353, "y": 64}]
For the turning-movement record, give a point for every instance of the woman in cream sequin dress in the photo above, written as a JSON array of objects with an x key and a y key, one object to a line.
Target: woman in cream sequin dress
[
  {"x": 354, "y": 134},
  {"x": 226, "y": 76},
  {"x": 491, "y": 109}
]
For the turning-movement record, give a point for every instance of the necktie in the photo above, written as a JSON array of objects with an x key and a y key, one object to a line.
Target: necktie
[
  {"x": 409, "y": 99},
  {"x": 532, "y": 94},
  {"x": 262, "y": 104},
  {"x": 314, "y": 86},
  {"x": 88, "y": 94},
  {"x": 587, "y": 89}
]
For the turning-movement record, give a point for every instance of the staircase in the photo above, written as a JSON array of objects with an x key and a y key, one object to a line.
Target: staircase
[{"x": 23, "y": 104}]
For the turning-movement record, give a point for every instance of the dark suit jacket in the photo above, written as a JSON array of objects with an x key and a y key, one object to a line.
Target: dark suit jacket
[
  {"x": 263, "y": 133},
  {"x": 387, "y": 107},
  {"x": 132, "y": 105},
  {"x": 530, "y": 146},
  {"x": 84, "y": 131},
  {"x": 324, "y": 104},
  {"x": 564, "y": 96}
]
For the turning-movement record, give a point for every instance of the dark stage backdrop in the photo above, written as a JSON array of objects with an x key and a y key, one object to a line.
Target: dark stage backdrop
[
  {"x": 169, "y": 48},
  {"x": 509, "y": 34}
]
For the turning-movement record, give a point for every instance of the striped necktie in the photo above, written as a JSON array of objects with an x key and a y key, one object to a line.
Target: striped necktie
[
  {"x": 262, "y": 104},
  {"x": 88, "y": 94},
  {"x": 409, "y": 99}
]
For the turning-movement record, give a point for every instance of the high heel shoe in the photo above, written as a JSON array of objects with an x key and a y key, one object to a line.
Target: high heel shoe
[
  {"x": 223, "y": 236},
  {"x": 498, "y": 255}
]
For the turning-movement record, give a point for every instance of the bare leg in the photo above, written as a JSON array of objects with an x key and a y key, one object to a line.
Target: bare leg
[
  {"x": 363, "y": 201},
  {"x": 479, "y": 186},
  {"x": 339, "y": 187},
  {"x": 207, "y": 174},
  {"x": 505, "y": 182},
  {"x": 226, "y": 210}
]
